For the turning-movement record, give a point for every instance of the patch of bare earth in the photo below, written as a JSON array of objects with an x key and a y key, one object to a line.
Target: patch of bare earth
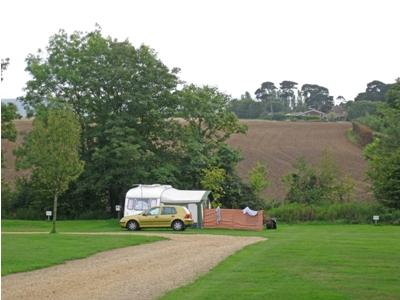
[
  {"x": 280, "y": 144},
  {"x": 138, "y": 272}
]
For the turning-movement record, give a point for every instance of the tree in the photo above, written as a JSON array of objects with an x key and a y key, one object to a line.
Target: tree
[
  {"x": 265, "y": 94},
  {"x": 207, "y": 125},
  {"x": 212, "y": 180},
  {"x": 340, "y": 99},
  {"x": 317, "y": 97},
  {"x": 392, "y": 96},
  {"x": 8, "y": 130},
  {"x": 9, "y": 113},
  {"x": 4, "y": 65},
  {"x": 55, "y": 143},
  {"x": 287, "y": 93},
  {"x": 258, "y": 178},
  {"x": 356, "y": 109},
  {"x": 374, "y": 92},
  {"x": 125, "y": 99},
  {"x": 319, "y": 185}
]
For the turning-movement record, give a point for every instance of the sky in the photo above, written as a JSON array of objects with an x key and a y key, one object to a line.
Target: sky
[{"x": 235, "y": 45}]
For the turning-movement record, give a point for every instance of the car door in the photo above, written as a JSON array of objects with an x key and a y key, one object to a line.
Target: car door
[
  {"x": 167, "y": 215},
  {"x": 150, "y": 218}
]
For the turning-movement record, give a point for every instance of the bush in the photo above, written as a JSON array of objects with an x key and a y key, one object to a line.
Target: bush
[
  {"x": 94, "y": 215},
  {"x": 311, "y": 118},
  {"x": 347, "y": 213},
  {"x": 29, "y": 213}
]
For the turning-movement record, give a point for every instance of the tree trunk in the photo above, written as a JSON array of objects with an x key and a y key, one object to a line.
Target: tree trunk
[
  {"x": 55, "y": 212},
  {"x": 272, "y": 110}
]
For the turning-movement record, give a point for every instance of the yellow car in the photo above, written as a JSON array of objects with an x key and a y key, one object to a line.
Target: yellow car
[{"x": 165, "y": 216}]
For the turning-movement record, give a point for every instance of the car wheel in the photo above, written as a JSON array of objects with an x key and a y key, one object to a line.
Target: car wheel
[
  {"x": 178, "y": 226},
  {"x": 132, "y": 225}
]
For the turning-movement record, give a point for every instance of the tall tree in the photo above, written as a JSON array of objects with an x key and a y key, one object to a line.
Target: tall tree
[
  {"x": 9, "y": 113},
  {"x": 375, "y": 91},
  {"x": 317, "y": 97},
  {"x": 124, "y": 97},
  {"x": 4, "y": 65},
  {"x": 208, "y": 125},
  {"x": 264, "y": 93},
  {"x": 383, "y": 155},
  {"x": 55, "y": 143},
  {"x": 392, "y": 96},
  {"x": 287, "y": 93}
]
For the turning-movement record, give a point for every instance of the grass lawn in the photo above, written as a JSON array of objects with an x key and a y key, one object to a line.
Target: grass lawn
[
  {"x": 297, "y": 262},
  {"x": 307, "y": 262}
]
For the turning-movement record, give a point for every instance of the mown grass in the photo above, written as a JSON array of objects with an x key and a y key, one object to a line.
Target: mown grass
[
  {"x": 307, "y": 262},
  {"x": 28, "y": 252},
  {"x": 296, "y": 262}
]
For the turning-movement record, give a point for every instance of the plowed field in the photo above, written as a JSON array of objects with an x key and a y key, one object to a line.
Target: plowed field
[{"x": 279, "y": 144}]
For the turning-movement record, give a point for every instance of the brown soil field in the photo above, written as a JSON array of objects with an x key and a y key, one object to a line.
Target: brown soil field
[{"x": 279, "y": 144}]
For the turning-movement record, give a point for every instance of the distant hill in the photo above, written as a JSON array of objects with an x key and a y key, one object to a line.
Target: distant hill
[{"x": 17, "y": 103}]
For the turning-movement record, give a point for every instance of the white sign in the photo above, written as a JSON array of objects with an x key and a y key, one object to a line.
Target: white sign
[
  {"x": 48, "y": 213},
  {"x": 376, "y": 218},
  {"x": 117, "y": 207}
]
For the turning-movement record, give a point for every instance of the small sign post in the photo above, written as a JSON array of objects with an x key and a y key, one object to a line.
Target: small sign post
[
  {"x": 118, "y": 209},
  {"x": 48, "y": 214},
  {"x": 376, "y": 219}
]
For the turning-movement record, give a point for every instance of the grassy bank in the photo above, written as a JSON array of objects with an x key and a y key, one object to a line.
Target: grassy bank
[{"x": 296, "y": 262}]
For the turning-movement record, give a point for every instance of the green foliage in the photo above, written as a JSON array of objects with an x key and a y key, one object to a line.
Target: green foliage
[
  {"x": 318, "y": 185},
  {"x": 341, "y": 213},
  {"x": 317, "y": 97},
  {"x": 311, "y": 118},
  {"x": 99, "y": 214},
  {"x": 4, "y": 65},
  {"x": 393, "y": 95},
  {"x": 212, "y": 180},
  {"x": 207, "y": 126},
  {"x": 383, "y": 155},
  {"x": 53, "y": 146},
  {"x": 238, "y": 194},
  {"x": 9, "y": 113},
  {"x": 258, "y": 178},
  {"x": 374, "y": 92},
  {"x": 375, "y": 122},
  {"x": 357, "y": 109}
]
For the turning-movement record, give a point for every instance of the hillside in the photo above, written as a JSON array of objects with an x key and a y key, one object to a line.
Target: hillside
[{"x": 279, "y": 144}]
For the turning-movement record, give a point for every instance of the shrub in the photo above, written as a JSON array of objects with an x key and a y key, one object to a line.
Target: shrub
[
  {"x": 346, "y": 213},
  {"x": 29, "y": 213},
  {"x": 94, "y": 215}
]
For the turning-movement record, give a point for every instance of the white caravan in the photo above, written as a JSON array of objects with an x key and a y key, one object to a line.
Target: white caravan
[{"x": 142, "y": 197}]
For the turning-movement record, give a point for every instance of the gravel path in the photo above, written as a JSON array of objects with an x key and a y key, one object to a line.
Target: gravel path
[{"x": 138, "y": 272}]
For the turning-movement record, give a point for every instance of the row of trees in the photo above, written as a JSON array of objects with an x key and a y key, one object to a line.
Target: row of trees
[{"x": 272, "y": 101}]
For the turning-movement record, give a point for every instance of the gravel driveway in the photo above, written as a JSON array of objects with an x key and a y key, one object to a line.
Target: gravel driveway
[{"x": 138, "y": 272}]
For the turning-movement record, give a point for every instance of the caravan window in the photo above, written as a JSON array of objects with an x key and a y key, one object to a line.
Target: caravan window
[{"x": 140, "y": 204}]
